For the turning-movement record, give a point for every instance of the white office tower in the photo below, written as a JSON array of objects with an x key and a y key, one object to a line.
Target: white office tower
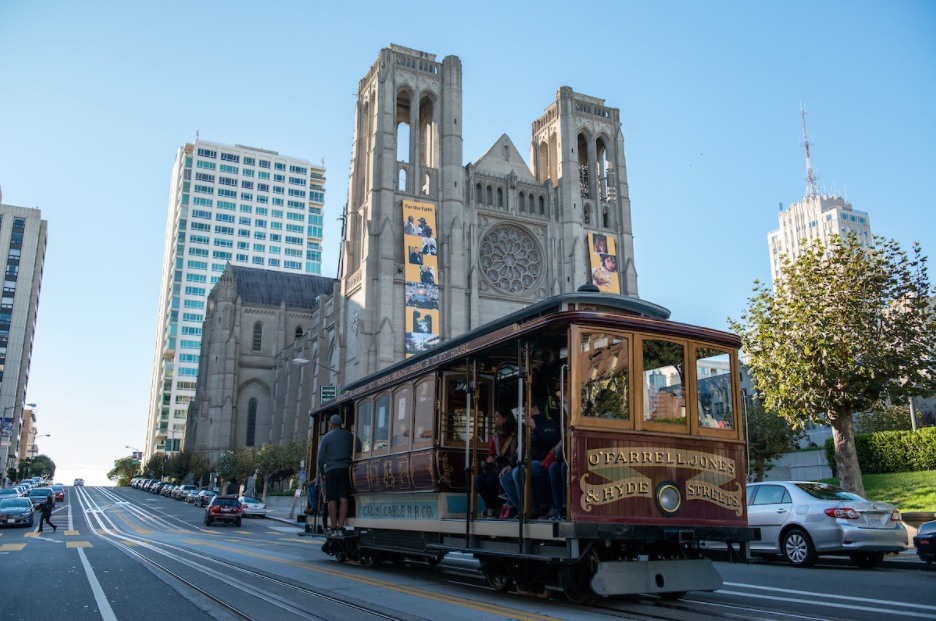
[
  {"x": 237, "y": 204},
  {"x": 816, "y": 216},
  {"x": 23, "y": 240}
]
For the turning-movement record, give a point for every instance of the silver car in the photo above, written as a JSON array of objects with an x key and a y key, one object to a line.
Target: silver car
[
  {"x": 252, "y": 507},
  {"x": 801, "y": 520}
]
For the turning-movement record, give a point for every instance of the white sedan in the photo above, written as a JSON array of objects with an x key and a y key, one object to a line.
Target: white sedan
[{"x": 252, "y": 507}]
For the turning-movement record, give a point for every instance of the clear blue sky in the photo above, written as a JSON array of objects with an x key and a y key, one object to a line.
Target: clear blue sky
[{"x": 95, "y": 98}]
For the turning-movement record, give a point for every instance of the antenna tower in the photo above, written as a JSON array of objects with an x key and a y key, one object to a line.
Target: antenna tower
[{"x": 811, "y": 186}]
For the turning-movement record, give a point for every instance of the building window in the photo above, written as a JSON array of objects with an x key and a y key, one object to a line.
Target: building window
[
  {"x": 257, "y": 336},
  {"x": 298, "y": 332},
  {"x": 251, "y": 422}
]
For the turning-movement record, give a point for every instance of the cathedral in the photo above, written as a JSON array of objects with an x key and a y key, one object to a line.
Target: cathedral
[{"x": 431, "y": 248}]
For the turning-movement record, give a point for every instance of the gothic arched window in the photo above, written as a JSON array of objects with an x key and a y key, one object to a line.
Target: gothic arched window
[
  {"x": 251, "y": 423},
  {"x": 298, "y": 332},
  {"x": 257, "y": 336}
]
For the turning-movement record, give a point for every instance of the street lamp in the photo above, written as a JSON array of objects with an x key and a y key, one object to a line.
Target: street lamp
[{"x": 135, "y": 451}]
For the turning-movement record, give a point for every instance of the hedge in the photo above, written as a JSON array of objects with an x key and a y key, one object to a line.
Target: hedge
[{"x": 892, "y": 451}]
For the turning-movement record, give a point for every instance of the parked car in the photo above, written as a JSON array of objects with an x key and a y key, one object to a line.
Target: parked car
[
  {"x": 38, "y": 495},
  {"x": 801, "y": 520},
  {"x": 252, "y": 507},
  {"x": 180, "y": 492},
  {"x": 925, "y": 542},
  {"x": 79, "y": 483},
  {"x": 9, "y": 492},
  {"x": 59, "y": 490},
  {"x": 223, "y": 509},
  {"x": 16, "y": 511},
  {"x": 204, "y": 497},
  {"x": 191, "y": 495}
]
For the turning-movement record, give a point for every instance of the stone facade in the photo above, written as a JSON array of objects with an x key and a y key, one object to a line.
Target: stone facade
[
  {"x": 507, "y": 235},
  {"x": 252, "y": 317}
]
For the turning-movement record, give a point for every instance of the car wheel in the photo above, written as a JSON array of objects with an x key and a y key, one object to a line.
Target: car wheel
[
  {"x": 237, "y": 523},
  {"x": 207, "y": 521},
  {"x": 798, "y": 549},
  {"x": 866, "y": 560}
]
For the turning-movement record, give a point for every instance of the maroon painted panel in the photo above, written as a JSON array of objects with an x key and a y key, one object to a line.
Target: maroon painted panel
[
  {"x": 428, "y": 470},
  {"x": 615, "y": 477}
]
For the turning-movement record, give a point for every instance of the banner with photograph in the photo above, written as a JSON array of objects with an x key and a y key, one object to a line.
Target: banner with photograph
[
  {"x": 6, "y": 431},
  {"x": 604, "y": 262},
  {"x": 420, "y": 252}
]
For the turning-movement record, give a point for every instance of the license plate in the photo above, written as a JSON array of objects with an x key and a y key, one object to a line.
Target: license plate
[
  {"x": 872, "y": 521},
  {"x": 225, "y": 510}
]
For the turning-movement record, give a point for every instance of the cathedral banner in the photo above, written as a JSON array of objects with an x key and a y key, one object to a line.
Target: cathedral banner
[
  {"x": 604, "y": 262},
  {"x": 420, "y": 252}
]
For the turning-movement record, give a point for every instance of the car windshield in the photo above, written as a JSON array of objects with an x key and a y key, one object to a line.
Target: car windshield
[
  {"x": 42, "y": 491},
  {"x": 824, "y": 491},
  {"x": 15, "y": 503},
  {"x": 249, "y": 499},
  {"x": 225, "y": 501}
]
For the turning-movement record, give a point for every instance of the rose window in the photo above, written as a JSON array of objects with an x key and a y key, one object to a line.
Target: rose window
[{"x": 510, "y": 259}]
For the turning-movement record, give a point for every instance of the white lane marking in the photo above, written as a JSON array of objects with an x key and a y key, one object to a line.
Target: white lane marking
[
  {"x": 813, "y": 602},
  {"x": 107, "y": 613},
  {"x": 883, "y": 602}
]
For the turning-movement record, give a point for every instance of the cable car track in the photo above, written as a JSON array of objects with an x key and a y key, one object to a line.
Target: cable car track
[{"x": 129, "y": 544}]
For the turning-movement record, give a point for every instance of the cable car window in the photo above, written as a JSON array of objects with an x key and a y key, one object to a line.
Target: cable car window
[
  {"x": 364, "y": 426},
  {"x": 713, "y": 387},
  {"x": 382, "y": 423},
  {"x": 604, "y": 372},
  {"x": 424, "y": 412},
  {"x": 664, "y": 382},
  {"x": 402, "y": 415}
]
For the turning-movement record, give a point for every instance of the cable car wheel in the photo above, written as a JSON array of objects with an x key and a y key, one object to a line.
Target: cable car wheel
[
  {"x": 494, "y": 578},
  {"x": 580, "y": 592}
]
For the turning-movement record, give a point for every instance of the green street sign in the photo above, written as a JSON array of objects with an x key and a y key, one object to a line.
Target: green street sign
[{"x": 329, "y": 392}]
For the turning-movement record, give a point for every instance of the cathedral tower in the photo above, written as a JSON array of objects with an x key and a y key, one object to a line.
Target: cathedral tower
[
  {"x": 407, "y": 149},
  {"x": 578, "y": 148}
]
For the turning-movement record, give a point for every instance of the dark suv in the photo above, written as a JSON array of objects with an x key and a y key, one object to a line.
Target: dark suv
[{"x": 223, "y": 509}]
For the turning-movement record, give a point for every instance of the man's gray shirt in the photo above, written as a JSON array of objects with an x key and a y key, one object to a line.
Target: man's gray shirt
[{"x": 335, "y": 450}]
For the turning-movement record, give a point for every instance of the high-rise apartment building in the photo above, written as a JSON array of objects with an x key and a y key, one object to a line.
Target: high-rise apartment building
[
  {"x": 816, "y": 216},
  {"x": 23, "y": 240},
  {"x": 227, "y": 204}
]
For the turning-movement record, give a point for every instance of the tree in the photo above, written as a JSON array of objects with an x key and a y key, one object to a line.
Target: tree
[
  {"x": 882, "y": 417},
  {"x": 179, "y": 465},
  {"x": 271, "y": 459},
  {"x": 846, "y": 326},
  {"x": 200, "y": 465},
  {"x": 769, "y": 436},
  {"x": 42, "y": 466},
  {"x": 124, "y": 470},
  {"x": 156, "y": 466},
  {"x": 235, "y": 466}
]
